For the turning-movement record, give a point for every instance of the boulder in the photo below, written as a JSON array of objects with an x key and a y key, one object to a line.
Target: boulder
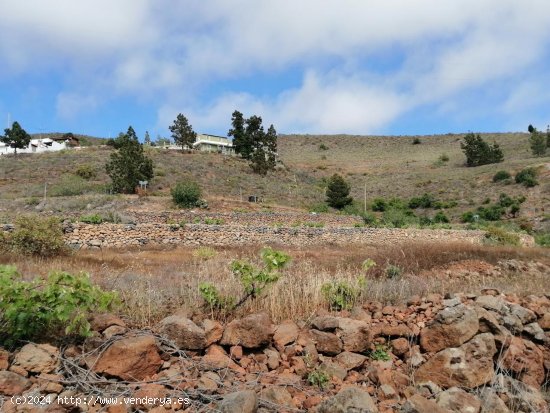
[
  {"x": 37, "y": 358},
  {"x": 131, "y": 359},
  {"x": 285, "y": 333},
  {"x": 350, "y": 360},
  {"x": 326, "y": 343},
  {"x": 217, "y": 359},
  {"x": 419, "y": 404},
  {"x": 525, "y": 360},
  {"x": 325, "y": 323},
  {"x": 244, "y": 401},
  {"x": 213, "y": 331},
  {"x": 277, "y": 395},
  {"x": 100, "y": 322},
  {"x": 12, "y": 383},
  {"x": 253, "y": 331},
  {"x": 184, "y": 332},
  {"x": 519, "y": 396},
  {"x": 544, "y": 321},
  {"x": 459, "y": 401},
  {"x": 491, "y": 403},
  {"x": 470, "y": 365},
  {"x": 349, "y": 399},
  {"x": 354, "y": 334},
  {"x": 451, "y": 327}
]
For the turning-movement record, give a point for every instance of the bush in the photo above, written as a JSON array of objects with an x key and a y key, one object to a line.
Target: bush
[
  {"x": 425, "y": 201},
  {"x": 399, "y": 218},
  {"x": 498, "y": 236},
  {"x": 341, "y": 295},
  {"x": 527, "y": 177},
  {"x": 319, "y": 208},
  {"x": 543, "y": 239},
  {"x": 85, "y": 171},
  {"x": 538, "y": 143},
  {"x": 379, "y": 204},
  {"x": 441, "y": 218},
  {"x": 186, "y": 194},
  {"x": 204, "y": 253},
  {"x": 91, "y": 219},
  {"x": 35, "y": 235},
  {"x": 393, "y": 271},
  {"x": 55, "y": 307},
  {"x": 491, "y": 213},
  {"x": 416, "y": 141},
  {"x": 478, "y": 152},
  {"x": 318, "y": 378},
  {"x": 70, "y": 185},
  {"x": 323, "y": 147},
  {"x": 501, "y": 176}
]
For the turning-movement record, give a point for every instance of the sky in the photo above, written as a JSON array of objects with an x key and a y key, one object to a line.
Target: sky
[{"x": 364, "y": 67}]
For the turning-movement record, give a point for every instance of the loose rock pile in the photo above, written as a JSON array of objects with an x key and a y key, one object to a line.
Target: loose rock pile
[{"x": 466, "y": 353}]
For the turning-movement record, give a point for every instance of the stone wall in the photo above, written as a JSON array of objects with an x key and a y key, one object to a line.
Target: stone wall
[{"x": 82, "y": 235}]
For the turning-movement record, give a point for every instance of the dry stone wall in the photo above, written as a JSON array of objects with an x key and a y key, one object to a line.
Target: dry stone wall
[{"x": 81, "y": 235}]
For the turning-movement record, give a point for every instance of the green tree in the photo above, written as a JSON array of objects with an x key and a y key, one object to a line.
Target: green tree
[
  {"x": 16, "y": 137},
  {"x": 478, "y": 152},
  {"x": 147, "y": 138},
  {"x": 182, "y": 132},
  {"x": 338, "y": 192},
  {"x": 186, "y": 194},
  {"x": 241, "y": 141},
  {"x": 128, "y": 165},
  {"x": 538, "y": 143}
]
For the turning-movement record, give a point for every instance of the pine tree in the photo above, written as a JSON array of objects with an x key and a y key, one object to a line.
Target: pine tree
[
  {"x": 182, "y": 133},
  {"x": 478, "y": 152},
  {"x": 147, "y": 138},
  {"x": 241, "y": 141},
  {"x": 338, "y": 192},
  {"x": 128, "y": 165},
  {"x": 16, "y": 137}
]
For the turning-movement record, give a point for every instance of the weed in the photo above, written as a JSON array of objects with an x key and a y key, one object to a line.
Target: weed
[
  {"x": 91, "y": 219},
  {"x": 498, "y": 236},
  {"x": 318, "y": 378},
  {"x": 35, "y": 235},
  {"x": 393, "y": 271},
  {"x": 380, "y": 353},
  {"x": 204, "y": 253}
]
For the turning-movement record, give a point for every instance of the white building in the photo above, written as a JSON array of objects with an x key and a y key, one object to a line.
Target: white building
[
  {"x": 209, "y": 143},
  {"x": 41, "y": 145}
]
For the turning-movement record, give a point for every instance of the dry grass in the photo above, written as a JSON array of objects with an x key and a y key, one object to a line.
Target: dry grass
[{"x": 154, "y": 283}]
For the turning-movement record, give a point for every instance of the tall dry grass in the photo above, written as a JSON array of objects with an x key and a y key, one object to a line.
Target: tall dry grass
[{"x": 156, "y": 282}]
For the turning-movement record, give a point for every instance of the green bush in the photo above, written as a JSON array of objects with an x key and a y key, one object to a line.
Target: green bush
[
  {"x": 416, "y": 141},
  {"x": 318, "y": 378},
  {"x": 381, "y": 352},
  {"x": 35, "y": 235},
  {"x": 213, "y": 221},
  {"x": 91, "y": 219},
  {"x": 379, "y": 204},
  {"x": 478, "y": 152},
  {"x": 399, "y": 218},
  {"x": 70, "y": 185},
  {"x": 341, "y": 295},
  {"x": 186, "y": 194},
  {"x": 499, "y": 236},
  {"x": 543, "y": 239},
  {"x": 52, "y": 308},
  {"x": 393, "y": 271},
  {"x": 204, "y": 253},
  {"x": 527, "y": 177},
  {"x": 323, "y": 147},
  {"x": 441, "y": 218},
  {"x": 319, "y": 208},
  {"x": 501, "y": 176},
  {"x": 491, "y": 213},
  {"x": 425, "y": 201},
  {"x": 86, "y": 171}
]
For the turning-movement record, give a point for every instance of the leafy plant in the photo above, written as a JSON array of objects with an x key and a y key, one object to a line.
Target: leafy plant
[
  {"x": 478, "y": 152},
  {"x": 340, "y": 295},
  {"x": 380, "y": 353},
  {"x": 441, "y": 218},
  {"x": 379, "y": 204},
  {"x": 204, "y": 253},
  {"x": 186, "y": 194},
  {"x": 323, "y": 147},
  {"x": 85, "y": 171},
  {"x": 213, "y": 221},
  {"x": 499, "y": 236},
  {"x": 416, "y": 141},
  {"x": 55, "y": 307},
  {"x": 254, "y": 280},
  {"x": 425, "y": 201},
  {"x": 543, "y": 239},
  {"x": 318, "y": 378},
  {"x": 91, "y": 219},
  {"x": 393, "y": 271}
]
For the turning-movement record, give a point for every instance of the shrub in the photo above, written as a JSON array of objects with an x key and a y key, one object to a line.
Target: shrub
[
  {"x": 318, "y": 378},
  {"x": 491, "y": 213},
  {"x": 416, "y": 141},
  {"x": 444, "y": 157},
  {"x": 319, "y": 208},
  {"x": 393, "y": 271},
  {"x": 498, "y": 236},
  {"x": 501, "y": 176},
  {"x": 85, "y": 171},
  {"x": 425, "y": 201},
  {"x": 441, "y": 218},
  {"x": 399, "y": 218},
  {"x": 69, "y": 185},
  {"x": 186, "y": 194},
  {"x": 527, "y": 177},
  {"x": 204, "y": 253},
  {"x": 338, "y": 192},
  {"x": 91, "y": 219},
  {"x": 478, "y": 152},
  {"x": 543, "y": 239},
  {"x": 213, "y": 221},
  {"x": 341, "y": 295},
  {"x": 35, "y": 235},
  {"x": 380, "y": 353},
  {"x": 537, "y": 142},
  {"x": 323, "y": 147},
  {"x": 379, "y": 204},
  {"x": 57, "y": 306}
]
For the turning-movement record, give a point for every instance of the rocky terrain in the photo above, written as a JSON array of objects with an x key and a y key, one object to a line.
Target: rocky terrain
[{"x": 461, "y": 353}]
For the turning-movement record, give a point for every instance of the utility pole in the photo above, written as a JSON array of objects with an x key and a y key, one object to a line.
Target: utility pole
[{"x": 45, "y": 190}]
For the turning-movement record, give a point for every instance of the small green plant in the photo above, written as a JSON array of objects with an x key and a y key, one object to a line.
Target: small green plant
[
  {"x": 527, "y": 177},
  {"x": 34, "y": 235},
  {"x": 319, "y": 378},
  {"x": 204, "y": 253},
  {"x": 57, "y": 306},
  {"x": 319, "y": 208},
  {"x": 254, "y": 280},
  {"x": 323, "y": 147},
  {"x": 32, "y": 201},
  {"x": 213, "y": 221},
  {"x": 543, "y": 239},
  {"x": 501, "y": 176},
  {"x": 379, "y": 205},
  {"x": 393, "y": 271},
  {"x": 186, "y": 194},
  {"x": 91, "y": 219},
  {"x": 340, "y": 295},
  {"x": 440, "y": 218},
  {"x": 499, "y": 236},
  {"x": 380, "y": 353},
  {"x": 416, "y": 141}
]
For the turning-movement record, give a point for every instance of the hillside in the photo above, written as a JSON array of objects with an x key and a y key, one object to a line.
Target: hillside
[{"x": 386, "y": 166}]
